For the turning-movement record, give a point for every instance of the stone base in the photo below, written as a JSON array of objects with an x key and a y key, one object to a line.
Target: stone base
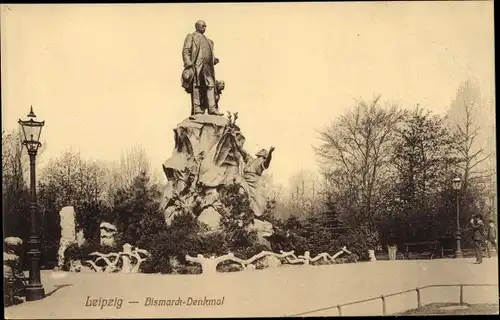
[
  {"x": 209, "y": 154},
  {"x": 35, "y": 292}
]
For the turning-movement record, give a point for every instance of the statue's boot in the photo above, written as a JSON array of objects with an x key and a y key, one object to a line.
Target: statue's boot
[
  {"x": 196, "y": 110},
  {"x": 215, "y": 112}
]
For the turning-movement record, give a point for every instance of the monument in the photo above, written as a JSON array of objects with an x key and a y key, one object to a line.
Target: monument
[
  {"x": 209, "y": 148},
  {"x": 68, "y": 232},
  {"x": 198, "y": 77}
]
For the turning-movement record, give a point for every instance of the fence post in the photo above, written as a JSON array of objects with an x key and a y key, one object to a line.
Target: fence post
[
  {"x": 340, "y": 310},
  {"x": 419, "y": 301},
  {"x": 461, "y": 294},
  {"x": 384, "y": 310}
]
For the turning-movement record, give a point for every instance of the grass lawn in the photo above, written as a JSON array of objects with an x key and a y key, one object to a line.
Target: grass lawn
[{"x": 453, "y": 309}]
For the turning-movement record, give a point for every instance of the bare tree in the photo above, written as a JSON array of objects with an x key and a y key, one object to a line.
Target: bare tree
[
  {"x": 271, "y": 190},
  {"x": 63, "y": 175},
  {"x": 464, "y": 118},
  {"x": 132, "y": 162},
  {"x": 92, "y": 175},
  {"x": 354, "y": 154},
  {"x": 15, "y": 160},
  {"x": 15, "y": 193},
  {"x": 303, "y": 190},
  {"x": 423, "y": 155},
  {"x": 121, "y": 174},
  {"x": 76, "y": 180},
  {"x": 489, "y": 136},
  {"x": 71, "y": 180}
]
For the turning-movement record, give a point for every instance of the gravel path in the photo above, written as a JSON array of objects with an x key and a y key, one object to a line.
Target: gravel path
[{"x": 282, "y": 291}]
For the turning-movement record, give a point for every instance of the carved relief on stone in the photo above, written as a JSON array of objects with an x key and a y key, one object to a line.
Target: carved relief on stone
[
  {"x": 80, "y": 238},
  {"x": 68, "y": 231},
  {"x": 108, "y": 232}
]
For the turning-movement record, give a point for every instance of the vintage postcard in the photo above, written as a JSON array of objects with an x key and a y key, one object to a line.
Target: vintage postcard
[{"x": 248, "y": 159}]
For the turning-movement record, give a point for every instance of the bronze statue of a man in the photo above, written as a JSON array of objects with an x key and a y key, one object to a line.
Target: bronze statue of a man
[{"x": 198, "y": 77}]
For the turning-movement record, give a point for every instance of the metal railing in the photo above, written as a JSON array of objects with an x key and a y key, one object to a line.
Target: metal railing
[{"x": 382, "y": 298}]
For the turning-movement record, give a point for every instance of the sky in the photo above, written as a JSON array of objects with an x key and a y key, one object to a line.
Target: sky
[{"x": 107, "y": 77}]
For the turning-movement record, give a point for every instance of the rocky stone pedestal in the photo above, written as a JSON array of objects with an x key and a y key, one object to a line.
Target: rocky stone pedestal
[{"x": 208, "y": 155}]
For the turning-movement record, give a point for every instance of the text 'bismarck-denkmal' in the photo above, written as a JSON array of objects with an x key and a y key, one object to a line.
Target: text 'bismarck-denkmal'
[{"x": 190, "y": 301}]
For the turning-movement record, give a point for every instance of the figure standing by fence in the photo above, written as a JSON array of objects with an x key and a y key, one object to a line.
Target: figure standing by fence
[
  {"x": 491, "y": 238},
  {"x": 478, "y": 236}
]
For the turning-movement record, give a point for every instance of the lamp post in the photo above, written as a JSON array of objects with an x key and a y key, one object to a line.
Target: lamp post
[
  {"x": 31, "y": 130},
  {"x": 457, "y": 183}
]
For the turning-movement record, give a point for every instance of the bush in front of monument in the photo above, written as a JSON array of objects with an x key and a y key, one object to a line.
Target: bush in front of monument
[
  {"x": 358, "y": 241},
  {"x": 78, "y": 255},
  {"x": 169, "y": 247},
  {"x": 288, "y": 235},
  {"x": 187, "y": 236}
]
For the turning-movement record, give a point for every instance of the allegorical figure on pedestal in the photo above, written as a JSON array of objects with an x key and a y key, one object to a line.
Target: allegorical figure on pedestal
[
  {"x": 198, "y": 77},
  {"x": 253, "y": 169}
]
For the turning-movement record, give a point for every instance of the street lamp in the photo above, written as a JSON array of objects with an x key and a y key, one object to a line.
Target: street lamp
[
  {"x": 457, "y": 183},
  {"x": 31, "y": 130}
]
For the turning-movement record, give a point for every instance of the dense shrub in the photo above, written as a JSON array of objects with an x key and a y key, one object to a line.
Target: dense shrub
[
  {"x": 213, "y": 243},
  {"x": 228, "y": 266},
  {"x": 315, "y": 236},
  {"x": 175, "y": 241},
  {"x": 49, "y": 256},
  {"x": 169, "y": 245},
  {"x": 82, "y": 253},
  {"x": 236, "y": 219},
  {"x": 235, "y": 211},
  {"x": 289, "y": 234},
  {"x": 358, "y": 241},
  {"x": 350, "y": 258},
  {"x": 137, "y": 209}
]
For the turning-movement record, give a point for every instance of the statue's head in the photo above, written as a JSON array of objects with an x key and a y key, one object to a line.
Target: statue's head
[
  {"x": 200, "y": 26},
  {"x": 262, "y": 153}
]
